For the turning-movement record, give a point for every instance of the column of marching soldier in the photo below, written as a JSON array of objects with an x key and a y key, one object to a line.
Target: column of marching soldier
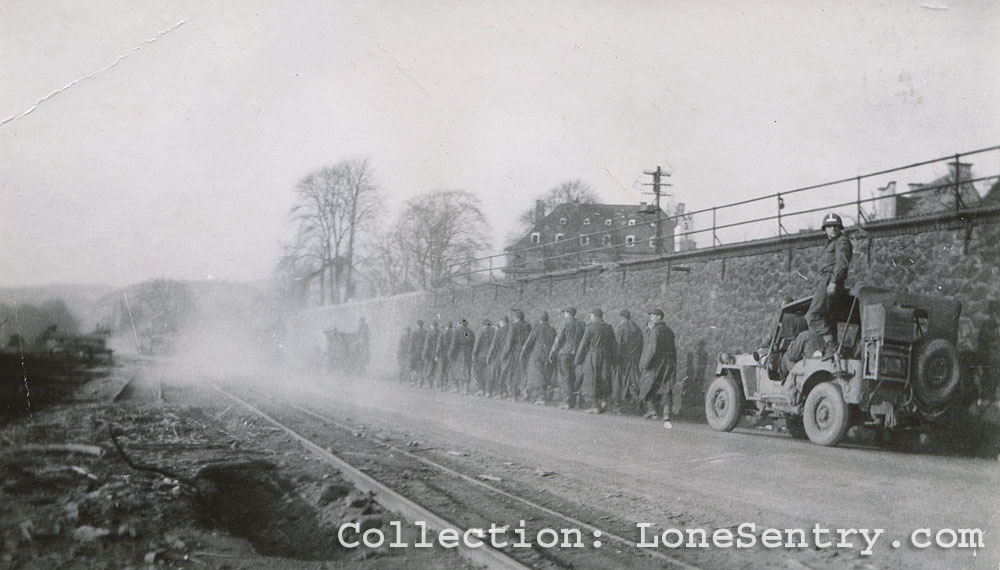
[{"x": 599, "y": 367}]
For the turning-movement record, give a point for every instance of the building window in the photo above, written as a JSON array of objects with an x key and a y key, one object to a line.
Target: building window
[
  {"x": 607, "y": 222},
  {"x": 536, "y": 237},
  {"x": 631, "y": 222},
  {"x": 586, "y": 221},
  {"x": 629, "y": 241},
  {"x": 559, "y": 237},
  {"x": 606, "y": 240},
  {"x": 562, "y": 221},
  {"x": 584, "y": 240}
]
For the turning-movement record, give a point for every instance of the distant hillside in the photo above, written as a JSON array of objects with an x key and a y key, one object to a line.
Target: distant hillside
[
  {"x": 80, "y": 298},
  {"x": 154, "y": 307}
]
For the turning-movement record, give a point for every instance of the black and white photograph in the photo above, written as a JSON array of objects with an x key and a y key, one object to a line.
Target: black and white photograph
[{"x": 555, "y": 285}]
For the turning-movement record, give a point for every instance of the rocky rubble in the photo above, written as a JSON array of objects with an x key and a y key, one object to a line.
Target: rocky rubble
[{"x": 194, "y": 487}]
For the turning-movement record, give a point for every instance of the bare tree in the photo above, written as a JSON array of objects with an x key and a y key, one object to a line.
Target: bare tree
[
  {"x": 332, "y": 206},
  {"x": 442, "y": 233},
  {"x": 311, "y": 214},
  {"x": 386, "y": 262},
  {"x": 569, "y": 191},
  {"x": 358, "y": 204}
]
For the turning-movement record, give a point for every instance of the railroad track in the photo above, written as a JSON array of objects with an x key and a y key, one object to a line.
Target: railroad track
[
  {"x": 421, "y": 489},
  {"x": 139, "y": 384}
]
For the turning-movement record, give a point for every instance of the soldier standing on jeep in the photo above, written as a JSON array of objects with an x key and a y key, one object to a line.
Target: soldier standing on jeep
[{"x": 830, "y": 282}]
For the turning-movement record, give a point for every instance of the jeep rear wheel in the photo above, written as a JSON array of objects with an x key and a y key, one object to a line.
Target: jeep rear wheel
[
  {"x": 936, "y": 375},
  {"x": 826, "y": 415},
  {"x": 723, "y": 403}
]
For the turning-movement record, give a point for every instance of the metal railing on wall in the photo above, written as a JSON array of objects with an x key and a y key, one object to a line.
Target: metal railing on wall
[{"x": 859, "y": 200}]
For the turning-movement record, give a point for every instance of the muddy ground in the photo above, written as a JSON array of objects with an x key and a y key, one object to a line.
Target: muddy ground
[{"x": 193, "y": 486}]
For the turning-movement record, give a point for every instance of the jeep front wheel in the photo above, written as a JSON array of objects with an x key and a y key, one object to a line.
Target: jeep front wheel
[
  {"x": 826, "y": 415},
  {"x": 723, "y": 403}
]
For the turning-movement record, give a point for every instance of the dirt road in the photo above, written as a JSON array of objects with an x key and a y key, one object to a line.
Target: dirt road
[{"x": 690, "y": 477}]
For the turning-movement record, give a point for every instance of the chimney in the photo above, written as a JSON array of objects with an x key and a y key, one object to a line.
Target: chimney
[
  {"x": 885, "y": 201},
  {"x": 539, "y": 211}
]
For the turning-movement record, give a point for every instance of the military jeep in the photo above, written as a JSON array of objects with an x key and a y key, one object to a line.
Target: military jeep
[{"x": 896, "y": 366}]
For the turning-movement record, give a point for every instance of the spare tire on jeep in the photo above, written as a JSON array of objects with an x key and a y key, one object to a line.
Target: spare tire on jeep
[{"x": 936, "y": 374}]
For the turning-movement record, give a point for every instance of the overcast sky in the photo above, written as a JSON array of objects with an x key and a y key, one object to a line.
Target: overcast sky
[{"x": 179, "y": 161}]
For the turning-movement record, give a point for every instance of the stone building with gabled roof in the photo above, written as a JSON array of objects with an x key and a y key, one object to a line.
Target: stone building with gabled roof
[{"x": 575, "y": 235}]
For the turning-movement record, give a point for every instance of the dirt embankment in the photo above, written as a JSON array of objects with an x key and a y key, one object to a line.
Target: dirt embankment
[{"x": 192, "y": 486}]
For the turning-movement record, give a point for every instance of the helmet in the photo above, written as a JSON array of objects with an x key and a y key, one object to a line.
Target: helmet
[{"x": 832, "y": 220}]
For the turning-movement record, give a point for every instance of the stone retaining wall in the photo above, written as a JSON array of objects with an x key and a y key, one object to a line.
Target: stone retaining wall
[{"x": 713, "y": 303}]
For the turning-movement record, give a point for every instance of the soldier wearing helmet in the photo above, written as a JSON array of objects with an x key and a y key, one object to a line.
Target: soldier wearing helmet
[{"x": 829, "y": 283}]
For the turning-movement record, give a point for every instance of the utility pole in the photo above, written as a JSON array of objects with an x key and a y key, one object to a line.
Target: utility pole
[{"x": 657, "y": 185}]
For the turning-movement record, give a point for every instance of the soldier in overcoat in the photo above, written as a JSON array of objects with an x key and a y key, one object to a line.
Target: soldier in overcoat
[
  {"x": 538, "y": 367},
  {"x": 598, "y": 354},
  {"x": 658, "y": 364},
  {"x": 629, "y": 338},
  {"x": 480, "y": 352},
  {"x": 563, "y": 353},
  {"x": 463, "y": 341},
  {"x": 495, "y": 387},
  {"x": 417, "y": 341},
  {"x": 512, "y": 369},
  {"x": 430, "y": 356}
]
